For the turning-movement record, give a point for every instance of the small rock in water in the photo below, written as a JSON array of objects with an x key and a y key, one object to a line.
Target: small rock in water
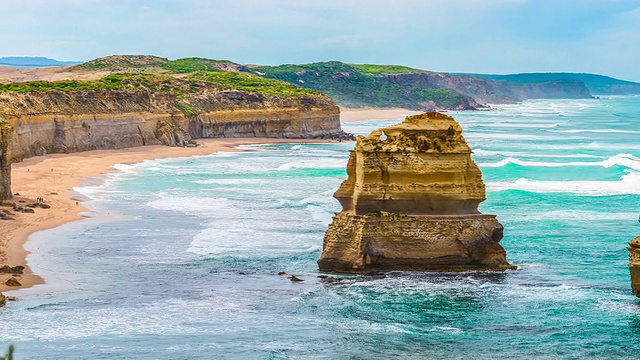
[
  {"x": 11, "y": 298},
  {"x": 12, "y": 282},
  {"x": 323, "y": 276},
  {"x": 295, "y": 278},
  {"x": 282, "y": 273},
  {"x": 3, "y": 300}
]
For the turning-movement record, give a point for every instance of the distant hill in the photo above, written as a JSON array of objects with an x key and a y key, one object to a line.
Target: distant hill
[
  {"x": 597, "y": 84},
  {"x": 353, "y": 85},
  {"x": 359, "y": 85},
  {"x": 31, "y": 62},
  {"x": 150, "y": 63}
]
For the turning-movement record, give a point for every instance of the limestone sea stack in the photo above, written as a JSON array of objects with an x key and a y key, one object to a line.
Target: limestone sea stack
[
  {"x": 410, "y": 202},
  {"x": 634, "y": 265}
]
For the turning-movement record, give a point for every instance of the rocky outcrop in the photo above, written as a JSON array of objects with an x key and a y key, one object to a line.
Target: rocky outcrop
[
  {"x": 3, "y": 300},
  {"x": 5, "y": 160},
  {"x": 12, "y": 282},
  {"x": 72, "y": 121},
  {"x": 410, "y": 202},
  {"x": 634, "y": 265}
]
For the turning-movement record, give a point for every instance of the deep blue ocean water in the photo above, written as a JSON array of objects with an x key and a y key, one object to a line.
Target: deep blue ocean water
[{"x": 181, "y": 259}]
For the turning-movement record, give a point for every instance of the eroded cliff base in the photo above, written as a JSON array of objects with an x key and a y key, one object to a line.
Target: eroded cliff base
[{"x": 390, "y": 241}]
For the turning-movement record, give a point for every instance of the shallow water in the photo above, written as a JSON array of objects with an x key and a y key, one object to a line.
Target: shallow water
[{"x": 187, "y": 266}]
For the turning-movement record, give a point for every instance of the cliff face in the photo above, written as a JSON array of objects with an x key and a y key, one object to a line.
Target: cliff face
[
  {"x": 5, "y": 160},
  {"x": 56, "y": 121},
  {"x": 493, "y": 91},
  {"x": 410, "y": 203},
  {"x": 634, "y": 265}
]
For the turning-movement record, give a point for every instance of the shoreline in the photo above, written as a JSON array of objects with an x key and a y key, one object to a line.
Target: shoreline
[
  {"x": 52, "y": 177},
  {"x": 365, "y": 114}
]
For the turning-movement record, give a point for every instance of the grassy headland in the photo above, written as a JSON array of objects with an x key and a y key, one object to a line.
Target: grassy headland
[{"x": 363, "y": 85}]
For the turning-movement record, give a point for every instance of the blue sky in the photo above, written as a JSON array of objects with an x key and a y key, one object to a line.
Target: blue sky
[{"x": 484, "y": 36}]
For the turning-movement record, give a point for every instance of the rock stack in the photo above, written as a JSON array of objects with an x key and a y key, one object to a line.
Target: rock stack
[
  {"x": 410, "y": 202},
  {"x": 634, "y": 265}
]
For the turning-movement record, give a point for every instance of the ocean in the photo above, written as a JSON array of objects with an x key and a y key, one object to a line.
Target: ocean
[{"x": 180, "y": 258}]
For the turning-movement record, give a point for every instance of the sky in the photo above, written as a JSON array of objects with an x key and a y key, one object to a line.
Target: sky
[{"x": 477, "y": 36}]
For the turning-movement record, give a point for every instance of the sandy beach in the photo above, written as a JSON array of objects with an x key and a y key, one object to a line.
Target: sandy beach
[
  {"x": 53, "y": 176},
  {"x": 353, "y": 115}
]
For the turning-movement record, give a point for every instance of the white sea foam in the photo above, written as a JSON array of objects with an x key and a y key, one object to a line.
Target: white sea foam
[
  {"x": 488, "y": 153},
  {"x": 578, "y": 215},
  {"x": 591, "y": 145},
  {"x": 627, "y": 160},
  {"x": 200, "y": 206},
  {"x": 515, "y": 136},
  {"x": 615, "y": 131},
  {"x": 532, "y": 125},
  {"x": 326, "y": 163},
  {"x": 240, "y": 240},
  {"x": 229, "y": 181},
  {"x": 511, "y": 160},
  {"x": 629, "y": 184}
]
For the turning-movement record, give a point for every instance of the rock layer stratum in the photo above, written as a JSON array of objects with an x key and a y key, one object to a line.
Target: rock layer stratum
[{"x": 410, "y": 202}]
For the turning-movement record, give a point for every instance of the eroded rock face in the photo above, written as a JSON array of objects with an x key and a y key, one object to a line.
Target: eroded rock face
[
  {"x": 410, "y": 202},
  {"x": 5, "y": 160},
  {"x": 634, "y": 265},
  {"x": 74, "y": 121}
]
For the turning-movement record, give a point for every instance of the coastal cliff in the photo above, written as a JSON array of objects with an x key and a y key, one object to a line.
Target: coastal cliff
[
  {"x": 634, "y": 265},
  {"x": 173, "y": 114},
  {"x": 410, "y": 203},
  {"x": 5, "y": 160}
]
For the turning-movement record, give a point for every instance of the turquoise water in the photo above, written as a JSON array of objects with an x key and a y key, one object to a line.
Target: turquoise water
[{"x": 187, "y": 267}]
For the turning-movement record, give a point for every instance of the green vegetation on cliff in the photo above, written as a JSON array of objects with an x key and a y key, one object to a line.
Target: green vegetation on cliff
[
  {"x": 227, "y": 80},
  {"x": 363, "y": 85},
  {"x": 378, "y": 70},
  {"x": 155, "y": 64},
  {"x": 218, "y": 80},
  {"x": 189, "y": 65},
  {"x": 122, "y": 62}
]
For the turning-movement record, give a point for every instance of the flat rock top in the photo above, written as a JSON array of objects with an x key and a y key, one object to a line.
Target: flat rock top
[
  {"x": 429, "y": 121},
  {"x": 431, "y": 132}
]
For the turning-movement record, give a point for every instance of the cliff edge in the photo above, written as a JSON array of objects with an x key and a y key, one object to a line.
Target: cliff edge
[{"x": 410, "y": 202}]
